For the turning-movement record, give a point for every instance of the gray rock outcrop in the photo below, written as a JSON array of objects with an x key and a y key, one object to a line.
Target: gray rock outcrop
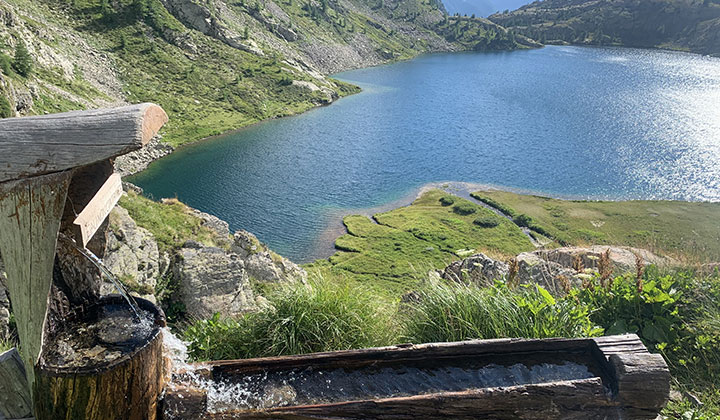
[
  {"x": 478, "y": 268},
  {"x": 4, "y": 303},
  {"x": 132, "y": 254},
  {"x": 138, "y": 160},
  {"x": 262, "y": 264},
  {"x": 213, "y": 281},
  {"x": 554, "y": 269}
]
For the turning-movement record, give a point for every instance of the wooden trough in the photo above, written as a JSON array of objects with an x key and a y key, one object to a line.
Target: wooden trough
[{"x": 619, "y": 379}]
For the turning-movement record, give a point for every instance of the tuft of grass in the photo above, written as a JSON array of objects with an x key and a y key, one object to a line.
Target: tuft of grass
[
  {"x": 301, "y": 319},
  {"x": 6, "y": 345},
  {"x": 464, "y": 208},
  {"x": 455, "y": 312},
  {"x": 486, "y": 222}
]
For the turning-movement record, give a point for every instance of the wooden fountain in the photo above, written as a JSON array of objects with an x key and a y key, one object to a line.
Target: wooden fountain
[{"x": 56, "y": 176}]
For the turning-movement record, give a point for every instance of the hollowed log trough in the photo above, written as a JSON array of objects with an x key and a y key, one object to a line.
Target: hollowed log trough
[
  {"x": 622, "y": 380},
  {"x": 126, "y": 388}
]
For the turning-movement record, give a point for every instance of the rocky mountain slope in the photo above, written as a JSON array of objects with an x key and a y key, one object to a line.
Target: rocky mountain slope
[
  {"x": 213, "y": 65},
  {"x": 690, "y": 25}
]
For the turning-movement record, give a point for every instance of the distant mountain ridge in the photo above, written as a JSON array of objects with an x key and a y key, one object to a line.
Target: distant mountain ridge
[
  {"x": 482, "y": 8},
  {"x": 689, "y": 25}
]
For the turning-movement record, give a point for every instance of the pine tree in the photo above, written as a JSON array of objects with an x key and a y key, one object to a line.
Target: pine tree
[{"x": 23, "y": 62}]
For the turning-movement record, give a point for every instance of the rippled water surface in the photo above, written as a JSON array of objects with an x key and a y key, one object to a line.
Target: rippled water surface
[{"x": 563, "y": 121}]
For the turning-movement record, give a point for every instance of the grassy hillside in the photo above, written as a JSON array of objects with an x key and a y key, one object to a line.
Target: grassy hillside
[
  {"x": 688, "y": 231},
  {"x": 214, "y": 65},
  {"x": 689, "y": 25}
]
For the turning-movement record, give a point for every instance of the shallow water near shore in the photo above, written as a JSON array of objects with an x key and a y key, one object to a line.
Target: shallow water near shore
[{"x": 562, "y": 121}]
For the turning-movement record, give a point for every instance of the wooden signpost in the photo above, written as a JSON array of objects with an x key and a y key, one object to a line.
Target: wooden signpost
[
  {"x": 38, "y": 157},
  {"x": 95, "y": 212}
]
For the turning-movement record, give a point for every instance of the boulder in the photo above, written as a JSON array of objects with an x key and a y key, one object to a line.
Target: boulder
[
  {"x": 478, "y": 268},
  {"x": 132, "y": 254},
  {"x": 262, "y": 264},
  {"x": 622, "y": 257},
  {"x": 533, "y": 269},
  {"x": 213, "y": 281}
]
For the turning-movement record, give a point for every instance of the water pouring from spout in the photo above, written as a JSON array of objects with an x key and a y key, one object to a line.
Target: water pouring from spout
[{"x": 97, "y": 262}]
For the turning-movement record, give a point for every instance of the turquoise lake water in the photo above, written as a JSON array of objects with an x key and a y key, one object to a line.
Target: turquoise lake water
[{"x": 577, "y": 122}]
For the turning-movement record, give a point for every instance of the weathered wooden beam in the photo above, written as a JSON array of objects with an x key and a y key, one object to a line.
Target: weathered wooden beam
[
  {"x": 643, "y": 382},
  {"x": 32, "y": 146},
  {"x": 30, "y": 212},
  {"x": 15, "y": 400},
  {"x": 95, "y": 212}
]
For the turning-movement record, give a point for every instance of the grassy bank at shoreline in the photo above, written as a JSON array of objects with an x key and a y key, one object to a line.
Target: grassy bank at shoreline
[{"x": 393, "y": 250}]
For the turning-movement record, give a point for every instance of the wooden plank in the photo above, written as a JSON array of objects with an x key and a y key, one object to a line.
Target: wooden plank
[
  {"x": 15, "y": 400},
  {"x": 30, "y": 212},
  {"x": 358, "y": 358},
  {"x": 93, "y": 215},
  {"x": 31, "y": 146}
]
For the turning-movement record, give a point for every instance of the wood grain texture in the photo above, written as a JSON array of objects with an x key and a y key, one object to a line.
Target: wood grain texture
[
  {"x": 30, "y": 212},
  {"x": 395, "y": 354},
  {"x": 31, "y": 146},
  {"x": 15, "y": 400},
  {"x": 643, "y": 383},
  {"x": 95, "y": 212}
]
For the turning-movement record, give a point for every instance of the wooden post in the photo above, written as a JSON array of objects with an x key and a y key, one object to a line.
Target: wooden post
[
  {"x": 38, "y": 156},
  {"x": 30, "y": 212}
]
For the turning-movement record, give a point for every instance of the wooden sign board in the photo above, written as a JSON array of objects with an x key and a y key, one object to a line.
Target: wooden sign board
[{"x": 93, "y": 215}]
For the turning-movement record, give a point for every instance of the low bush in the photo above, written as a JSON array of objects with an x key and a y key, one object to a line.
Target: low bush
[
  {"x": 464, "y": 208},
  {"x": 447, "y": 200},
  {"x": 523, "y": 220},
  {"x": 676, "y": 314},
  {"x": 454, "y": 312},
  {"x": 487, "y": 222},
  {"x": 321, "y": 317}
]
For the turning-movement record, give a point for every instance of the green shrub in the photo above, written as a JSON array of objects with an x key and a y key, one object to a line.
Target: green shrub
[
  {"x": 447, "y": 200},
  {"x": 487, "y": 221},
  {"x": 676, "y": 314},
  {"x": 321, "y": 317},
  {"x": 464, "y": 208},
  {"x": 5, "y": 64},
  {"x": 523, "y": 220},
  {"x": 454, "y": 312},
  {"x": 6, "y": 110}
]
